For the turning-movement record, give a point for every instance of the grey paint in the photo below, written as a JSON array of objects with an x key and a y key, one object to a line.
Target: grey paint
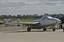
[{"x": 45, "y": 20}]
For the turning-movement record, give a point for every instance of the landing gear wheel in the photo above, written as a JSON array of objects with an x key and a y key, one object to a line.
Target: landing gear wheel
[
  {"x": 53, "y": 29},
  {"x": 18, "y": 25},
  {"x": 44, "y": 29},
  {"x": 28, "y": 29}
]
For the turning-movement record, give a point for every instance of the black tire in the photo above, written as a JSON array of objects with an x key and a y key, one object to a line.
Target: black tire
[
  {"x": 28, "y": 29},
  {"x": 54, "y": 29},
  {"x": 18, "y": 25},
  {"x": 44, "y": 29}
]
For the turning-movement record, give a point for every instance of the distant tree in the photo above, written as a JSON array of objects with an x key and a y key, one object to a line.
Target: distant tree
[
  {"x": 18, "y": 16},
  {"x": 9, "y": 16},
  {"x": 5, "y": 16},
  {"x": 1, "y": 17}
]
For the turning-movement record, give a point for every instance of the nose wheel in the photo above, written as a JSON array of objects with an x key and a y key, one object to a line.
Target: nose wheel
[
  {"x": 28, "y": 29},
  {"x": 54, "y": 29}
]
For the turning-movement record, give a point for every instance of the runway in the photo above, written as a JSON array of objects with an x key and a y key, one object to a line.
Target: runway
[
  {"x": 32, "y": 37},
  {"x": 11, "y": 34}
]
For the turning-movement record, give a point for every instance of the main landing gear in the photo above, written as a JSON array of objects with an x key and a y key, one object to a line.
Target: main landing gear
[
  {"x": 28, "y": 29},
  {"x": 44, "y": 29},
  {"x": 53, "y": 29}
]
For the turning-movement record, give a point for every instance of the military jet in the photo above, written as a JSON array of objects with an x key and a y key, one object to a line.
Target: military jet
[{"x": 42, "y": 23}]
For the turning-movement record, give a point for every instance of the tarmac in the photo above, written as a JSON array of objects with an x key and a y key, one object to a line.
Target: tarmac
[
  {"x": 10, "y": 34},
  {"x": 32, "y": 37}
]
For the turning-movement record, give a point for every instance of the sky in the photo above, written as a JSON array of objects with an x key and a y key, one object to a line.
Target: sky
[{"x": 21, "y": 7}]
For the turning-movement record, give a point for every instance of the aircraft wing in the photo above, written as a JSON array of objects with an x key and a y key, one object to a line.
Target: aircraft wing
[{"x": 28, "y": 23}]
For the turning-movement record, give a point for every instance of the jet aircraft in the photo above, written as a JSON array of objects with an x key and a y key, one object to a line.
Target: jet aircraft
[{"x": 43, "y": 23}]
